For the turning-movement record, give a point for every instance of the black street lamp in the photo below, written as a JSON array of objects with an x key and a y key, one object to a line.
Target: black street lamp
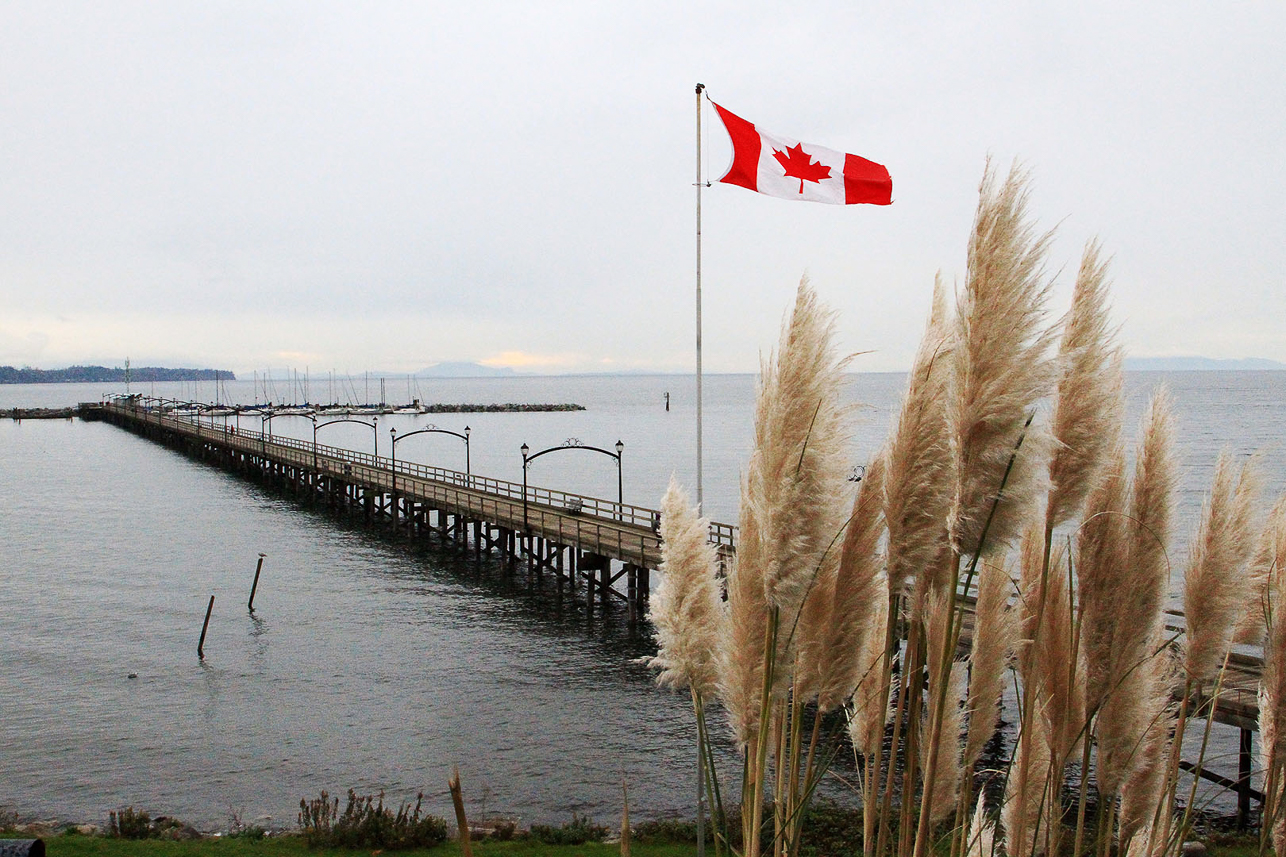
[
  {"x": 266, "y": 420},
  {"x": 524, "y": 449},
  {"x": 372, "y": 425},
  {"x": 432, "y": 429},
  {"x": 573, "y": 443},
  {"x": 313, "y": 417}
]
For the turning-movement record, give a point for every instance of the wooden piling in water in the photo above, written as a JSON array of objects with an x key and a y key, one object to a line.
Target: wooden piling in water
[
  {"x": 254, "y": 586},
  {"x": 200, "y": 646}
]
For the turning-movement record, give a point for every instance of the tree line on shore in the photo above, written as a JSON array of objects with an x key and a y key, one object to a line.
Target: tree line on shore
[{"x": 102, "y": 374}]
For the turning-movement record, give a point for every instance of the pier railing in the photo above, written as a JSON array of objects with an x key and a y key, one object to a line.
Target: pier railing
[{"x": 541, "y": 502}]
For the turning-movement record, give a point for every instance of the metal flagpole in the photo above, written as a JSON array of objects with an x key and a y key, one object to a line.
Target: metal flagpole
[
  {"x": 701, "y": 833},
  {"x": 700, "y": 497}
]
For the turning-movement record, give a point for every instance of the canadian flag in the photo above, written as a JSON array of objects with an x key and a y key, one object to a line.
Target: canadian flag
[{"x": 779, "y": 166}]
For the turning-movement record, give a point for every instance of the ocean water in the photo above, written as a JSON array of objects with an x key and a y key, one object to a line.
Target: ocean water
[{"x": 373, "y": 664}]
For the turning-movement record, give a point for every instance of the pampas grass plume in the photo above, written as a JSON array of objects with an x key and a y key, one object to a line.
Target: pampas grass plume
[
  {"x": 1216, "y": 585},
  {"x": 796, "y": 476},
  {"x": 871, "y": 697},
  {"x": 791, "y": 505},
  {"x": 1270, "y": 555},
  {"x": 994, "y": 633},
  {"x": 1049, "y": 673},
  {"x": 857, "y": 591},
  {"x": 686, "y": 610},
  {"x": 1087, "y": 414},
  {"x": 1101, "y": 550},
  {"x": 1026, "y": 809},
  {"x": 1002, "y": 368},
  {"x": 1145, "y": 783},
  {"x": 946, "y": 775},
  {"x": 742, "y": 642},
  {"x": 920, "y": 477},
  {"x": 1138, "y": 600},
  {"x": 982, "y": 833},
  {"x": 1272, "y": 708}
]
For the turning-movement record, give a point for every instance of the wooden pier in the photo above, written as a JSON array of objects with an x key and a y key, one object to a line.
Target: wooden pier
[{"x": 612, "y": 547}]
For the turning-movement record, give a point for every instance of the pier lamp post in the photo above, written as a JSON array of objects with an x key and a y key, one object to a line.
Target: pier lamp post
[
  {"x": 620, "y": 485},
  {"x": 574, "y": 443},
  {"x": 524, "y": 449},
  {"x": 313, "y": 417},
  {"x": 393, "y": 432},
  {"x": 432, "y": 429},
  {"x": 373, "y": 425}
]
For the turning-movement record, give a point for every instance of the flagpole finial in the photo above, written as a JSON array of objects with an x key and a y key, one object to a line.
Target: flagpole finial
[{"x": 700, "y": 86}]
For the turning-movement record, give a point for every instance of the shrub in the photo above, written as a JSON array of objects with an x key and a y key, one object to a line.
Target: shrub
[
  {"x": 366, "y": 823},
  {"x": 578, "y": 831},
  {"x": 128, "y": 823},
  {"x": 238, "y": 829},
  {"x": 252, "y": 832}
]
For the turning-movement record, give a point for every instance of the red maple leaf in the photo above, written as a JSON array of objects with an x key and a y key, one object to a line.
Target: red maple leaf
[{"x": 798, "y": 164}]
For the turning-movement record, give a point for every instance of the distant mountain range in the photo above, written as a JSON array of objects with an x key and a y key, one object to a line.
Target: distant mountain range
[
  {"x": 462, "y": 370},
  {"x": 104, "y": 375},
  {"x": 1199, "y": 364}
]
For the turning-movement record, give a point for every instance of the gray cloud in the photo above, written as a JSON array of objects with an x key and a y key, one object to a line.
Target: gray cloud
[{"x": 390, "y": 184}]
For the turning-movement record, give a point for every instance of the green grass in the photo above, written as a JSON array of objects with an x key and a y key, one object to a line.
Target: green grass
[{"x": 75, "y": 845}]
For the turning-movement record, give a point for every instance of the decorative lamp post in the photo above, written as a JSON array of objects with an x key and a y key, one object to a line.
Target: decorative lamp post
[
  {"x": 371, "y": 425},
  {"x": 393, "y": 431},
  {"x": 313, "y": 417},
  {"x": 620, "y": 484},
  {"x": 432, "y": 429},
  {"x": 573, "y": 443},
  {"x": 524, "y": 449}
]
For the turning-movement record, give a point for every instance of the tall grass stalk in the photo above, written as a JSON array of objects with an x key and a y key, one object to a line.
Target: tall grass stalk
[{"x": 1272, "y": 716}]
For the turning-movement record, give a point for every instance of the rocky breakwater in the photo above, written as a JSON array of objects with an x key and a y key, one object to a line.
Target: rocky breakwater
[{"x": 494, "y": 408}]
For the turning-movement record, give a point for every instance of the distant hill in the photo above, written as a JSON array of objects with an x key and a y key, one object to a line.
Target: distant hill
[
  {"x": 463, "y": 370},
  {"x": 1199, "y": 364},
  {"x": 104, "y": 375}
]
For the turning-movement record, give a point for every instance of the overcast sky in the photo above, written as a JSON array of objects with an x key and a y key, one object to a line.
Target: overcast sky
[{"x": 384, "y": 185}]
